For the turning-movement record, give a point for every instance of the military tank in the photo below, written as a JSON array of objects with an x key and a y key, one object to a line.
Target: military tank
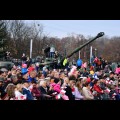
[
  {"x": 49, "y": 63},
  {"x": 52, "y": 62}
]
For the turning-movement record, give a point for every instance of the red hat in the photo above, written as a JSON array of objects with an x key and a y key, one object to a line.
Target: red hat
[
  {"x": 88, "y": 80},
  {"x": 30, "y": 69},
  {"x": 91, "y": 68}
]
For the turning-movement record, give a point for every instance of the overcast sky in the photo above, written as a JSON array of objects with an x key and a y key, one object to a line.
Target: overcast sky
[{"x": 63, "y": 28}]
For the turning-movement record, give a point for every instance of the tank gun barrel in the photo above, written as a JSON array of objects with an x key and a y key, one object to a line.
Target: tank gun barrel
[{"x": 79, "y": 48}]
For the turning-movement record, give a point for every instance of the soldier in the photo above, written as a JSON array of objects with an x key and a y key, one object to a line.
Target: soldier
[
  {"x": 47, "y": 51},
  {"x": 52, "y": 51},
  {"x": 7, "y": 55},
  {"x": 24, "y": 58}
]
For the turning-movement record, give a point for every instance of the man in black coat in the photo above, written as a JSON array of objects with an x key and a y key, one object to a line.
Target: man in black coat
[
  {"x": 47, "y": 51},
  {"x": 3, "y": 94},
  {"x": 24, "y": 58},
  {"x": 69, "y": 93},
  {"x": 68, "y": 89}
]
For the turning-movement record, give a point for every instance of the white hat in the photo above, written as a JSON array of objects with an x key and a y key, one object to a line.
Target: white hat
[
  {"x": 3, "y": 70},
  {"x": 37, "y": 64},
  {"x": 95, "y": 77},
  {"x": 48, "y": 78},
  {"x": 107, "y": 78},
  {"x": 81, "y": 77}
]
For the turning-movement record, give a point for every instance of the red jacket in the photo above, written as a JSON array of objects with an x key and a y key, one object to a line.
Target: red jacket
[
  {"x": 36, "y": 92},
  {"x": 97, "y": 88}
]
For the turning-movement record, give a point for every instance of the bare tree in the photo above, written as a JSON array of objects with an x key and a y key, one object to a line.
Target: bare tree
[{"x": 20, "y": 33}]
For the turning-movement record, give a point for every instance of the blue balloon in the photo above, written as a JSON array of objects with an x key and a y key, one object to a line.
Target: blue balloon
[{"x": 79, "y": 62}]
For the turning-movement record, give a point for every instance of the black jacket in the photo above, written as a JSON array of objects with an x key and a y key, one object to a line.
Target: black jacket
[
  {"x": 69, "y": 93},
  {"x": 44, "y": 93},
  {"x": 24, "y": 58},
  {"x": 2, "y": 92},
  {"x": 42, "y": 90}
]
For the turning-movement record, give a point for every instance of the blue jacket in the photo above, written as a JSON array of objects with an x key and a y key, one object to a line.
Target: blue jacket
[
  {"x": 31, "y": 79},
  {"x": 37, "y": 68},
  {"x": 28, "y": 93},
  {"x": 45, "y": 74}
]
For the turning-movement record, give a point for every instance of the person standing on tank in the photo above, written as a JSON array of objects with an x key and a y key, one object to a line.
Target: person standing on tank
[{"x": 52, "y": 51}]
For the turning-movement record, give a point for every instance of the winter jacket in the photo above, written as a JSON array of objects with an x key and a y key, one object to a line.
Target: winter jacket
[
  {"x": 87, "y": 93},
  {"x": 43, "y": 90},
  {"x": 28, "y": 93},
  {"x": 97, "y": 88},
  {"x": 19, "y": 96},
  {"x": 2, "y": 93},
  {"x": 56, "y": 87},
  {"x": 31, "y": 79},
  {"x": 78, "y": 95},
  {"x": 103, "y": 86},
  {"x": 117, "y": 71},
  {"x": 36, "y": 92},
  {"x": 45, "y": 93},
  {"x": 69, "y": 93}
]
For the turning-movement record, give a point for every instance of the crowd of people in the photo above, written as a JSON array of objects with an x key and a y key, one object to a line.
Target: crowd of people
[{"x": 29, "y": 82}]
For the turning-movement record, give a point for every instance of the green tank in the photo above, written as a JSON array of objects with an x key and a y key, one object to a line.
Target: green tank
[
  {"x": 50, "y": 62},
  {"x": 6, "y": 64}
]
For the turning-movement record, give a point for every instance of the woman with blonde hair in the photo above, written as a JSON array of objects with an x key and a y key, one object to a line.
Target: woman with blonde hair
[
  {"x": 10, "y": 91},
  {"x": 18, "y": 92},
  {"x": 78, "y": 91}
]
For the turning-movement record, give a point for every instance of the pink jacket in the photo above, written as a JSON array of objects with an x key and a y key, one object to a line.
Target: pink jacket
[
  {"x": 56, "y": 87},
  {"x": 117, "y": 70}
]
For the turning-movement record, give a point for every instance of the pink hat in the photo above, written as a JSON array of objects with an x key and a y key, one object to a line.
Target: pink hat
[
  {"x": 52, "y": 84},
  {"x": 24, "y": 65}
]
